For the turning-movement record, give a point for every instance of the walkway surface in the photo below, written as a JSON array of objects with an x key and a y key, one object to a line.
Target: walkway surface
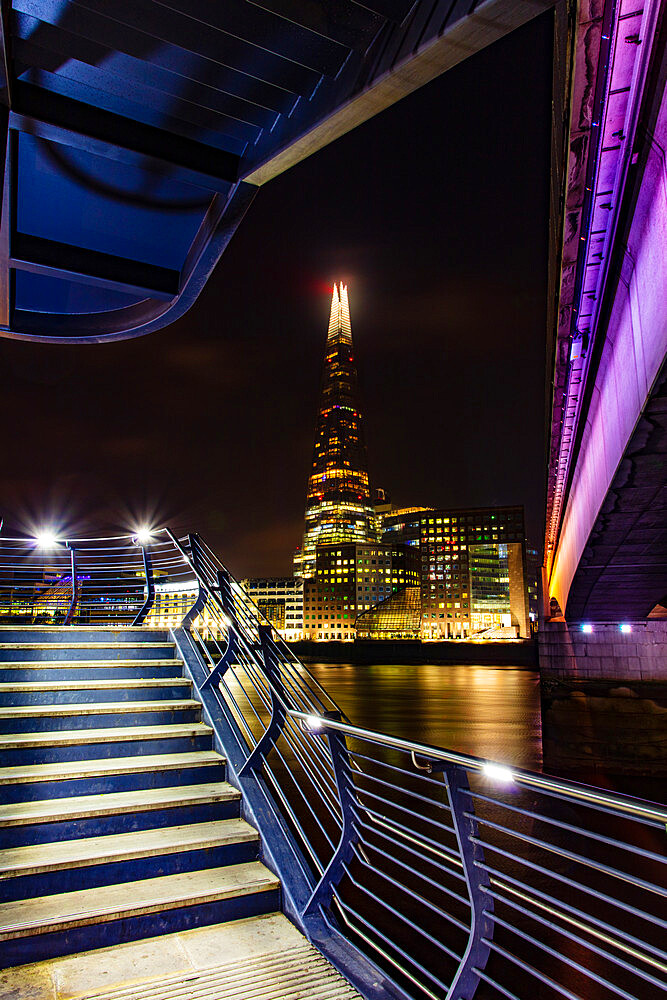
[{"x": 260, "y": 958}]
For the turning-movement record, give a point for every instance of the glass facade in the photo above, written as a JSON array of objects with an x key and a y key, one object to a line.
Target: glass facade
[
  {"x": 350, "y": 579},
  {"x": 338, "y": 507},
  {"x": 447, "y": 540},
  {"x": 397, "y": 617}
]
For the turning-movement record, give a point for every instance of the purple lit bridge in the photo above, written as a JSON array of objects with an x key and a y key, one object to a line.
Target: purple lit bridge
[{"x": 604, "y": 640}]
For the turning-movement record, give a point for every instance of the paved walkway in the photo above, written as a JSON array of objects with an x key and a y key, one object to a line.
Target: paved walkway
[{"x": 260, "y": 957}]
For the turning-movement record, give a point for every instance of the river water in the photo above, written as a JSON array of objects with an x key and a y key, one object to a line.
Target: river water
[{"x": 487, "y": 711}]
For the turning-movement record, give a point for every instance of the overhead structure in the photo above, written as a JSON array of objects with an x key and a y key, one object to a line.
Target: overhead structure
[{"x": 136, "y": 133}]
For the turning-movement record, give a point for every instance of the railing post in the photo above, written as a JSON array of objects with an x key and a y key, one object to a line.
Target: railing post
[
  {"x": 224, "y": 663},
  {"x": 271, "y": 668},
  {"x": 150, "y": 587},
  {"x": 200, "y": 601},
  {"x": 476, "y": 955},
  {"x": 75, "y": 587},
  {"x": 349, "y": 805}
]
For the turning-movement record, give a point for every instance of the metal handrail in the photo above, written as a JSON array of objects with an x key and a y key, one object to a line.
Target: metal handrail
[
  {"x": 422, "y": 872},
  {"x": 523, "y": 776}
]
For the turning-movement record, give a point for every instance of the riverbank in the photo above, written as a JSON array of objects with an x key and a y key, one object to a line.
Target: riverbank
[{"x": 522, "y": 653}]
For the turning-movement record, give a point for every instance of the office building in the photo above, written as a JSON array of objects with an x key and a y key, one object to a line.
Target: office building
[
  {"x": 473, "y": 568},
  {"x": 280, "y": 600},
  {"x": 351, "y": 578}
]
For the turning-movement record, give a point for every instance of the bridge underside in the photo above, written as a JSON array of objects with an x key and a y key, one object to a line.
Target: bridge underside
[
  {"x": 133, "y": 135},
  {"x": 622, "y": 573}
]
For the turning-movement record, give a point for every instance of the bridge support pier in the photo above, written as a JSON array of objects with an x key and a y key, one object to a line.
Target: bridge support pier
[{"x": 604, "y": 698}]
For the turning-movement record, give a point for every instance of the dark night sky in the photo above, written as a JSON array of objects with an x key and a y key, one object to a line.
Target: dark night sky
[{"x": 436, "y": 213}]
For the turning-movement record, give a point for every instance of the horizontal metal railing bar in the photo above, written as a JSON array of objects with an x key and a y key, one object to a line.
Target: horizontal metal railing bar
[
  {"x": 615, "y": 959},
  {"x": 436, "y": 942},
  {"x": 395, "y": 947},
  {"x": 375, "y": 832},
  {"x": 582, "y": 831},
  {"x": 376, "y": 947},
  {"x": 430, "y": 779},
  {"x": 424, "y": 841},
  {"x": 562, "y": 852},
  {"x": 414, "y": 872},
  {"x": 403, "y": 809},
  {"x": 568, "y": 959},
  {"x": 563, "y": 990},
  {"x": 275, "y": 784},
  {"x": 486, "y": 978},
  {"x": 568, "y": 789},
  {"x": 403, "y": 790},
  {"x": 608, "y": 928}
]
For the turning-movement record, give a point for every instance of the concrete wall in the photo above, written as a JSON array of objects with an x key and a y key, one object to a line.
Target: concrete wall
[
  {"x": 604, "y": 700},
  {"x": 606, "y": 653}
]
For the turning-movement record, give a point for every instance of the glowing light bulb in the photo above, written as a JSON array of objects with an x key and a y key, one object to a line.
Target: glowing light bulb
[
  {"x": 314, "y": 722},
  {"x": 587, "y": 629},
  {"x": 46, "y": 539},
  {"x": 625, "y": 628},
  {"x": 498, "y": 772},
  {"x": 143, "y": 536}
]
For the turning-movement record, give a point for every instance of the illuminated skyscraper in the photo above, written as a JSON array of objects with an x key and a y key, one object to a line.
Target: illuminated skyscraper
[{"x": 338, "y": 505}]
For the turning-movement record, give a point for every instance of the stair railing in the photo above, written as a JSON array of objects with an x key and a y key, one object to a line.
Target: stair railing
[{"x": 422, "y": 872}]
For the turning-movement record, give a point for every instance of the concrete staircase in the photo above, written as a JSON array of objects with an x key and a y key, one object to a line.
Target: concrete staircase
[{"x": 116, "y": 822}]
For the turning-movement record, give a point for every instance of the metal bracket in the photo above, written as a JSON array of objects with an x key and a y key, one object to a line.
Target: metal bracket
[
  {"x": 477, "y": 952},
  {"x": 75, "y": 588},
  {"x": 225, "y": 661},
  {"x": 278, "y": 706},
  {"x": 150, "y": 587},
  {"x": 347, "y": 796}
]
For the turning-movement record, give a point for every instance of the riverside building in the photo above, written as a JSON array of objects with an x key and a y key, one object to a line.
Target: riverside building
[
  {"x": 350, "y": 579},
  {"x": 280, "y": 600},
  {"x": 338, "y": 504},
  {"x": 473, "y": 570}
]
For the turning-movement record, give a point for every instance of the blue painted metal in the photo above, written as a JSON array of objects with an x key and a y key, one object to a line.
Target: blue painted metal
[
  {"x": 351, "y": 814},
  {"x": 150, "y": 587},
  {"x": 516, "y": 880},
  {"x": 163, "y": 115},
  {"x": 465, "y": 983},
  {"x": 75, "y": 588}
]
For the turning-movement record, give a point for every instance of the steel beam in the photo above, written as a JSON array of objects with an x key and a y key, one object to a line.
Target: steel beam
[
  {"x": 72, "y": 123},
  {"x": 416, "y": 54},
  {"x": 60, "y": 260}
]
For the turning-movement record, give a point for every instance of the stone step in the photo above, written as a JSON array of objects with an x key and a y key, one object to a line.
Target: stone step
[
  {"x": 110, "y": 644},
  {"x": 81, "y": 633},
  {"x": 111, "y": 774},
  {"x": 86, "y": 651},
  {"x": 76, "y": 692},
  {"x": 114, "y": 804},
  {"x": 89, "y": 715},
  {"x": 72, "y": 770},
  {"x": 30, "y": 869},
  {"x": 89, "y": 685},
  {"x": 44, "y": 926},
  {"x": 117, "y": 669},
  {"x": 33, "y": 859},
  {"x": 113, "y": 741},
  {"x": 93, "y": 708}
]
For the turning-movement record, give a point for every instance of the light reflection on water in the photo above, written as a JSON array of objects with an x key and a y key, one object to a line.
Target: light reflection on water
[{"x": 482, "y": 710}]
